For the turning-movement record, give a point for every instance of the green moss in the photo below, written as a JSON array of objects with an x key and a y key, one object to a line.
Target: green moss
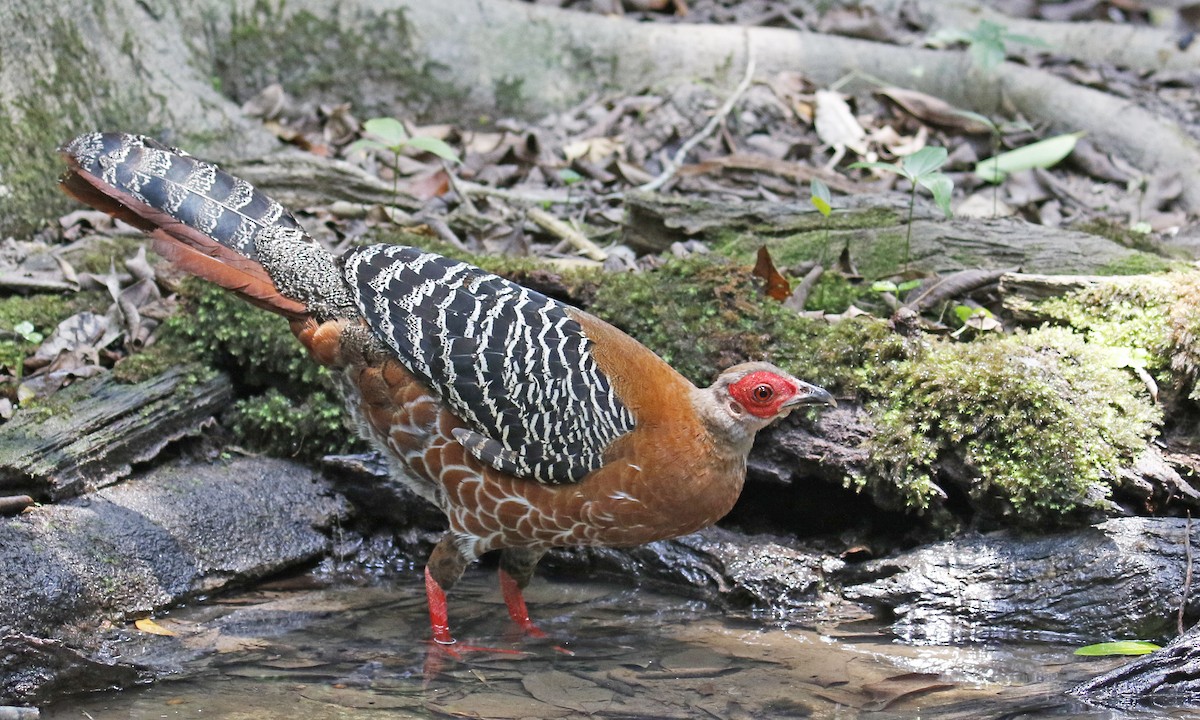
[
  {"x": 309, "y": 53},
  {"x": 1131, "y": 315},
  {"x": 1184, "y": 329},
  {"x": 1035, "y": 422},
  {"x": 103, "y": 253},
  {"x": 699, "y": 315},
  {"x": 268, "y": 366},
  {"x": 59, "y": 102},
  {"x": 309, "y": 428},
  {"x": 44, "y": 312},
  {"x": 1137, "y": 263}
]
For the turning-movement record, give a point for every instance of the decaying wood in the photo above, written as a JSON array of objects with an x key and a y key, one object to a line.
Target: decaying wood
[
  {"x": 1021, "y": 291},
  {"x": 299, "y": 180},
  {"x": 653, "y": 222},
  {"x": 88, "y": 435}
]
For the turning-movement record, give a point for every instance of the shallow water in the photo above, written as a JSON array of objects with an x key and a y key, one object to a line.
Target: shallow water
[{"x": 356, "y": 652}]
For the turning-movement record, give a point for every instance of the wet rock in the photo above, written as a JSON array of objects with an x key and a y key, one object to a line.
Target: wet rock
[
  {"x": 1121, "y": 578},
  {"x": 1170, "y": 676},
  {"x": 382, "y": 500},
  {"x": 716, "y": 564},
  {"x": 36, "y": 668},
  {"x": 181, "y": 531}
]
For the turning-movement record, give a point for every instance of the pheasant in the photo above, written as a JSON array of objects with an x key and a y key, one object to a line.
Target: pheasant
[{"x": 530, "y": 423}]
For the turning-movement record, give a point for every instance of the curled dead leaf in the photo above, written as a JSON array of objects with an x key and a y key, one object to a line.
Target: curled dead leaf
[
  {"x": 935, "y": 111},
  {"x": 777, "y": 286}
]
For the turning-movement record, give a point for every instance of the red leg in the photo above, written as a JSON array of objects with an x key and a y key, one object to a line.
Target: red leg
[
  {"x": 440, "y": 623},
  {"x": 438, "y": 619},
  {"x": 516, "y": 606}
]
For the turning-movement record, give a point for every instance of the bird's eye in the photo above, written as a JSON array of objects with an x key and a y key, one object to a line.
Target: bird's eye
[{"x": 763, "y": 393}]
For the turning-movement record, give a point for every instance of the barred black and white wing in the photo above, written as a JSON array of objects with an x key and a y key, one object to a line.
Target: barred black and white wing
[{"x": 511, "y": 362}]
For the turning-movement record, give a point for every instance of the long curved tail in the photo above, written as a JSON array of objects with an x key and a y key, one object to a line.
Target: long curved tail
[{"x": 201, "y": 218}]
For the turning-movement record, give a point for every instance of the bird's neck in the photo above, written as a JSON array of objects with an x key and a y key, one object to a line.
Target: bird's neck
[{"x": 733, "y": 437}]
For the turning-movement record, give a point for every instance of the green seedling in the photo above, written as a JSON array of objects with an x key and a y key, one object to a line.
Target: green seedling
[
  {"x": 822, "y": 200},
  {"x": 27, "y": 332},
  {"x": 389, "y": 134},
  {"x": 921, "y": 168},
  {"x": 988, "y": 42},
  {"x": 1042, "y": 154},
  {"x": 882, "y": 286}
]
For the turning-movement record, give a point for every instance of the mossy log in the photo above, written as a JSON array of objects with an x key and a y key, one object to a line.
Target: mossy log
[
  {"x": 873, "y": 228},
  {"x": 89, "y": 435}
]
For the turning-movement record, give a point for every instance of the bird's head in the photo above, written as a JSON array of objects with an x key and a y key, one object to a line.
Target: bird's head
[{"x": 748, "y": 397}]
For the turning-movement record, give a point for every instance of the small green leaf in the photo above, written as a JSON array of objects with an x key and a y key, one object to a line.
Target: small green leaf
[
  {"x": 942, "y": 188},
  {"x": 27, "y": 332},
  {"x": 364, "y": 144},
  {"x": 908, "y": 285},
  {"x": 987, "y": 54},
  {"x": 1042, "y": 154},
  {"x": 1121, "y": 647},
  {"x": 924, "y": 161},
  {"x": 882, "y": 286},
  {"x": 821, "y": 199},
  {"x": 569, "y": 176},
  {"x": 435, "y": 146},
  {"x": 963, "y": 313},
  {"x": 389, "y": 131}
]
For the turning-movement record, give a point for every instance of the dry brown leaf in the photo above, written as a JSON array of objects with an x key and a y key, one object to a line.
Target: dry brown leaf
[
  {"x": 935, "y": 111},
  {"x": 595, "y": 150},
  {"x": 428, "y": 185},
  {"x": 777, "y": 286},
  {"x": 836, "y": 125},
  {"x": 891, "y": 690},
  {"x": 147, "y": 625}
]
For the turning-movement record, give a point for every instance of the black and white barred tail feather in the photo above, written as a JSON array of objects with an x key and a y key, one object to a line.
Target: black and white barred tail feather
[
  {"x": 516, "y": 366},
  {"x": 196, "y": 193},
  {"x": 201, "y": 218}
]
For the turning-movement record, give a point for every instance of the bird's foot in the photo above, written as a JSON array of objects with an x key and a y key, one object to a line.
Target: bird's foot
[
  {"x": 440, "y": 626},
  {"x": 514, "y": 600}
]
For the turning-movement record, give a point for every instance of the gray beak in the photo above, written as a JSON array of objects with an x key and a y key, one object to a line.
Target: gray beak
[{"x": 810, "y": 395}]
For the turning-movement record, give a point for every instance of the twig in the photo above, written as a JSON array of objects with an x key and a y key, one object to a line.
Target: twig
[
  {"x": 439, "y": 226},
  {"x": 1187, "y": 574},
  {"x": 13, "y": 504},
  {"x": 799, "y": 296},
  {"x": 457, "y": 186},
  {"x": 709, "y": 128},
  {"x": 517, "y": 194},
  {"x": 557, "y": 227}
]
